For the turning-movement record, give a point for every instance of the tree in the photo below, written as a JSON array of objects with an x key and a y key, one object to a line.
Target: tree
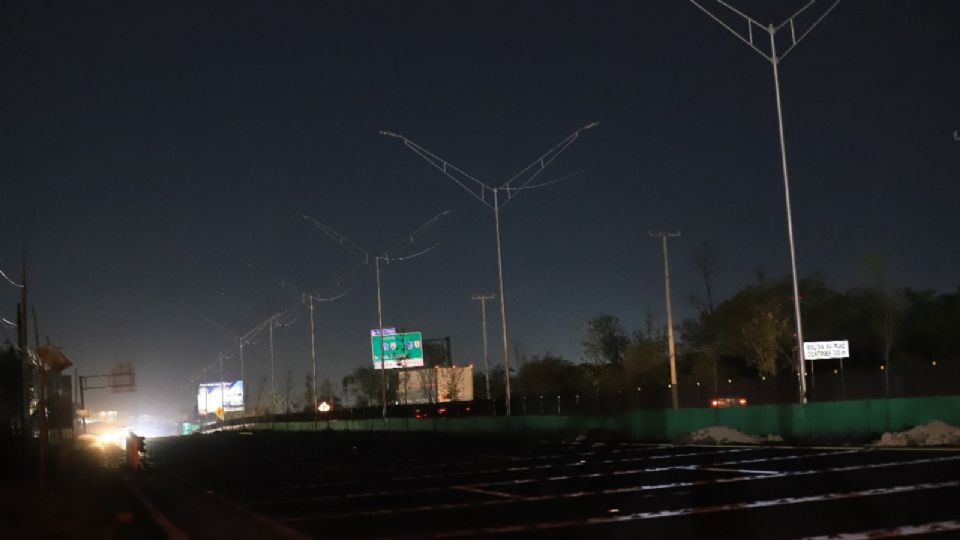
[
  {"x": 428, "y": 384},
  {"x": 708, "y": 266},
  {"x": 308, "y": 399},
  {"x": 885, "y": 322},
  {"x": 549, "y": 375},
  {"x": 364, "y": 383},
  {"x": 287, "y": 388},
  {"x": 453, "y": 377},
  {"x": 606, "y": 340},
  {"x": 764, "y": 335},
  {"x": 644, "y": 362}
]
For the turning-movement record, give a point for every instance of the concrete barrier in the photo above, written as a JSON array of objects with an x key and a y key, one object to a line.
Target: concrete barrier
[{"x": 837, "y": 421}]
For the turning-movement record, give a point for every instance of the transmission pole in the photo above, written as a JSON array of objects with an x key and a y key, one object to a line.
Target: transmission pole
[
  {"x": 482, "y": 298},
  {"x": 501, "y": 194},
  {"x": 774, "y": 58},
  {"x": 671, "y": 348}
]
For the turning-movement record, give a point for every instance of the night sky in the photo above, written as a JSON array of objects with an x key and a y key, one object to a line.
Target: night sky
[{"x": 154, "y": 158}]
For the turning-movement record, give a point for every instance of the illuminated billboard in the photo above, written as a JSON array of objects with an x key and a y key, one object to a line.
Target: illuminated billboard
[
  {"x": 401, "y": 350},
  {"x": 228, "y": 394}
]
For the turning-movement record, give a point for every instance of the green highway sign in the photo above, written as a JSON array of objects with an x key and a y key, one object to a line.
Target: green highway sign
[{"x": 401, "y": 350}]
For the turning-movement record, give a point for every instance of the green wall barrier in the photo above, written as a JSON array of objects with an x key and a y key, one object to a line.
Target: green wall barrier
[{"x": 820, "y": 421}]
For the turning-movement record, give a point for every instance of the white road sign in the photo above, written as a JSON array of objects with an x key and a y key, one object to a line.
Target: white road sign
[{"x": 823, "y": 350}]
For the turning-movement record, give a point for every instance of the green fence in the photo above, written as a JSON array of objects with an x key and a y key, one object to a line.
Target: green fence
[{"x": 822, "y": 421}]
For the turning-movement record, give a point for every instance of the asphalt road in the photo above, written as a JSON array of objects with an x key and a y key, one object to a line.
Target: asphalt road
[{"x": 367, "y": 485}]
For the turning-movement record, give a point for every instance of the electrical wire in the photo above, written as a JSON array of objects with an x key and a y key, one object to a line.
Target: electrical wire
[{"x": 10, "y": 281}]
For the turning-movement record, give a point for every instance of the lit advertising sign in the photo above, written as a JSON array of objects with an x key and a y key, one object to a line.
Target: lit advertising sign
[
  {"x": 212, "y": 396},
  {"x": 401, "y": 350},
  {"x": 824, "y": 350}
]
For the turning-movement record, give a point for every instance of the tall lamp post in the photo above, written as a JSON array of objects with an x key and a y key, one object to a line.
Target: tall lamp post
[
  {"x": 365, "y": 256},
  {"x": 774, "y": 58},
  {"x": 496, "y": 197}
]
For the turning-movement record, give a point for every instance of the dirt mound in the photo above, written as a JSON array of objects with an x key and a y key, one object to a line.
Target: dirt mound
[
  {"x": 726, "y": 435},
  {"x": 935, "y": 433}
]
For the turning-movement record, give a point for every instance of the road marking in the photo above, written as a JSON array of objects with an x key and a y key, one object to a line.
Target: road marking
[
  {"x": 470, "y": 489},
  {"x": 905, "y": 530},
  {"x": 607, "y": 491},
  {"x": 638, "y": 516},
  {"x": 789, "y": 457},
  {"x": 721, "y": 469}
]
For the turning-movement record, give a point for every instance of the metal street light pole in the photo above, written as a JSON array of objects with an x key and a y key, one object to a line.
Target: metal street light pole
[
  {"x": 671, "y": 349},
  {"x": 775, "y": 59},
  {"x": 480, "y": 191},
  {"x": 482, "y": 298}
]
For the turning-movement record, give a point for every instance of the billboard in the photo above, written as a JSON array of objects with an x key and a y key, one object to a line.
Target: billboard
[
  {"x": 212, "y": 396},
  {"x": 824, "y": 350},
  {"x": 401, "y": 350}
]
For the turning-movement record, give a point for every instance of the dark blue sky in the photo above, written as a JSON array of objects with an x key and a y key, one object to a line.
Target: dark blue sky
[{"x": 153, "y": 159}]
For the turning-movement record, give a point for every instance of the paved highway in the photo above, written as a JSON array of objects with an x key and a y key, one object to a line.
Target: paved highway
[{"x": 368, "y": 485}]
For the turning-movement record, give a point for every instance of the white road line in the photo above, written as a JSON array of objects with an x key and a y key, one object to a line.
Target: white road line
[
  {"x": 470, "y": 489},
  {"x": 765, "y": 503},
  {"x": 608, "y": 491},
  {"x": 905, "y": 530},
  {"x": 789, "y": 457},
  {"x": 721, "y": 469}
]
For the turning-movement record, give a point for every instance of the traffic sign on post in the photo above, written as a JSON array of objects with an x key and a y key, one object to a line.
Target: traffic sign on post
[{"x": 401, "y": 350}]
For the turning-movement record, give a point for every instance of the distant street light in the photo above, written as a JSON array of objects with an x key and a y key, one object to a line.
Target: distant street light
[
  {"x": 509, "y": 189},
  {"x": 365, "y": 256},
  {"x": 671, "y": 349},
  {"x": 774, "y": 60}
]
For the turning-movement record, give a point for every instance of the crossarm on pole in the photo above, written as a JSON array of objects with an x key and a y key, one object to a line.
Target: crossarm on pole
[
  {"x": 526, "y": 175},
  {"x": 474, "y": 187}
]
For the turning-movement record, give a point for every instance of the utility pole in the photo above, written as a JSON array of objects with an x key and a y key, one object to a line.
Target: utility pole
[
  {"x": 671, "y": 349},
  {"x": 775, "y": 59},
  {"x": 223, "y": 404},
  {"x": 273, "y": 385},
  {"x": 26, "y": 373},
  {"x": 309, "y": 299},
  {"x": 313, "y": 357},
  {"x": 383, "y": 356},
  {"x": 482, "y": 298},
  {"x": 509, "y": 189}
]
